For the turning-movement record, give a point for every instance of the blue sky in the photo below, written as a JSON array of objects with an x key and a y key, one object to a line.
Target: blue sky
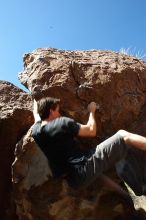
[{"x": 67, "y": 24}]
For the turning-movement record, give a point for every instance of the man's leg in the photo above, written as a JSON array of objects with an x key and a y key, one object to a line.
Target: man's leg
[
  {"x": 107, "y": 154},
  {"x": 111, "y": 185},
  {"x": 114, "y": 149},
  {"x": 134, "y": 140}
]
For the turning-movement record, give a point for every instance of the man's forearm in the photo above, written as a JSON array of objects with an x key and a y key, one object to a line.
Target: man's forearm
[
  {"x": 92, "y": 123},
  {"x": 89, "y": 129}
]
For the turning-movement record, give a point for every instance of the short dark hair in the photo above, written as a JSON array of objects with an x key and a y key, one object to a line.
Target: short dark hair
[{"x": 45, "y": 104}]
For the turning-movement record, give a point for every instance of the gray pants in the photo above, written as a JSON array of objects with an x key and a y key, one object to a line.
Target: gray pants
[
  {"x": 130, "y": 164},
  {"x": 132, "y": 169},
  {"x": 106, "y": 155}
]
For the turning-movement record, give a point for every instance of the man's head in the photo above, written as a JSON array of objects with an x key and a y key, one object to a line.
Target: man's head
[{"x": 48, "y": 108}]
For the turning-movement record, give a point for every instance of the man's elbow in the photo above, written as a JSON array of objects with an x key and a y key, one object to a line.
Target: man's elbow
[
  {"x": 92, "y": 133},
  {"x": 87, "y": 131}
]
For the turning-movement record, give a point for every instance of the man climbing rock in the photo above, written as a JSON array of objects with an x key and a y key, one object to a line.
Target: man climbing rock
[{"x": 56, "y": 136}]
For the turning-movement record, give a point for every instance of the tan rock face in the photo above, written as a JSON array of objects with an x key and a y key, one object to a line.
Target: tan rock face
[
  {"x": 117, "y": 83},
  {"x": 114, "y": 81},
  {"x": 15, "y": 119}
]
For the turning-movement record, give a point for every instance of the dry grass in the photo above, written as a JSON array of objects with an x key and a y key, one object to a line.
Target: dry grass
[{"x": 133, "y": 52}]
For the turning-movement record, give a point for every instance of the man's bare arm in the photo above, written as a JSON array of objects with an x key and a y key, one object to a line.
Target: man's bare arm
[
  {"x": 35, "y": 112},
  {"x": 89, "y": 130}
]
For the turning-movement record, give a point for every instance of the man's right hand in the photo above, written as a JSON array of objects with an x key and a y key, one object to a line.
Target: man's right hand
[{"x": 92, "y": 107}]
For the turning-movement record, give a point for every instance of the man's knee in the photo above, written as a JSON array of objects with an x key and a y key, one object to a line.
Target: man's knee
[{"x": 124, "y": 134}]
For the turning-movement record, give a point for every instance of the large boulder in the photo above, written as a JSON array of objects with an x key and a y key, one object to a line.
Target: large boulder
[
  {"x": 15, "y": 120},
  {"x": 116, "y": 82}
]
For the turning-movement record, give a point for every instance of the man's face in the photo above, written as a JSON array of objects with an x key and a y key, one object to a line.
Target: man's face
[{"x": 55, "y": 113}]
